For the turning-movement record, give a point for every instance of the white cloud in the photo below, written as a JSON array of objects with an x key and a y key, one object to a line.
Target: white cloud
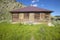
[
  {"x": 35, "y": 5},
  {"x": 34, "y": 1}
]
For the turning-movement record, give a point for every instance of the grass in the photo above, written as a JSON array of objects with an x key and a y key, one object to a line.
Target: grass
[{"x": 28, "y": 32}]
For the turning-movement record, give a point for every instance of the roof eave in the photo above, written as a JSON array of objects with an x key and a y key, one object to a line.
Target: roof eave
[{"x": 31, "y": 11}]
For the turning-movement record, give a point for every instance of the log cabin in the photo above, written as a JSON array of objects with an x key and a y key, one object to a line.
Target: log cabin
[{"x": 31, "y": 14}]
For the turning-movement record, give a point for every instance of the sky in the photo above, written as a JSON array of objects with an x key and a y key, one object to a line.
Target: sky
[{"x": 53, "y": 5}]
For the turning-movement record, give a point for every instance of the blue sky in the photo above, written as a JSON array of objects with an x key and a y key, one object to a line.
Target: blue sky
[{"x": 53, "y": 5}]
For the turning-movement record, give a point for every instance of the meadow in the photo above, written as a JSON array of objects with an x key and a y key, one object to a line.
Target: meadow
[{"x": 19, "y": 31}]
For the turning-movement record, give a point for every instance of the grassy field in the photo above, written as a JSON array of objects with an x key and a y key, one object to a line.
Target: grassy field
[{"x": 28, "y": 32}]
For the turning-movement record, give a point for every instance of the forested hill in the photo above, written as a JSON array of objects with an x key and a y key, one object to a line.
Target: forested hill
[{"x": 6, "y": 6}]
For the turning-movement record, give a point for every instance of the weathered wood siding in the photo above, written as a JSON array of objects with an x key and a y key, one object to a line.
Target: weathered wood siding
[
  {"x": 44, "y": 17},
  {"x": 21, "y": 17},
  {"x": 15, "y": 17},
  {"x": 31, "y": 16}
]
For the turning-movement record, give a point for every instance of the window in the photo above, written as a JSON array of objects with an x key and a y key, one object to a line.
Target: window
[
  {"x": 46, "y": 14},
  {"x": 15, "y": 17},
  {"x": 26, "y": 15},
  {"x": 37, "y": 16},
  {"x": 47, "y": 17}
]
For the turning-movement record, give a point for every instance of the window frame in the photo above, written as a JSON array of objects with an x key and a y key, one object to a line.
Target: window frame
[
  {"x": 36, "y": 15},
  {"x": 26, "y": 15}
]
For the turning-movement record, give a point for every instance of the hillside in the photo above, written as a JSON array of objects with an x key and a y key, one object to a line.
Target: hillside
[{"x": 6, "y": 6}]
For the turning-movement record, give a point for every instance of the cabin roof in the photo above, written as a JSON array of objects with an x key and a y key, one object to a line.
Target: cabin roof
[{"x": 30, "y": 9}]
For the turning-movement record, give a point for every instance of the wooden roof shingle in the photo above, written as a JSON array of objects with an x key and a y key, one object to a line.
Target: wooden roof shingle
[{"x": 30, "y": 9}]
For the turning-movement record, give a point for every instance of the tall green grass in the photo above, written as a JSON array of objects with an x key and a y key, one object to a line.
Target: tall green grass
[{"x": 28, "y": 32}]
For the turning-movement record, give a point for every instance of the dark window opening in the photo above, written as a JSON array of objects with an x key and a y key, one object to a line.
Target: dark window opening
[
  {"x": 15, "y": 17},
  {"x": 47, "y": 17},
  {"x": 26, "y": 15},
  {"x": 37, "y": 15}
]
